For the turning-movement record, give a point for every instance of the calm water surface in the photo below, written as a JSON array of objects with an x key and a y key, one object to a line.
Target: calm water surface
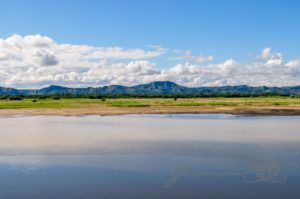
[{"x": 150, "y": 156}]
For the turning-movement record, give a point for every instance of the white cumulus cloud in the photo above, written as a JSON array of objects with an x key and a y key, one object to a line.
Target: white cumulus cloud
[
  {"x": 197, "y": 58},
  {"x": 35, "y": 61},
  {"x": 265, "y": 54}
]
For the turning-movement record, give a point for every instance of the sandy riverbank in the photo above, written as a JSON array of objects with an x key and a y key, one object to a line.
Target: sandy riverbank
[{"x": 104, "y": 110}]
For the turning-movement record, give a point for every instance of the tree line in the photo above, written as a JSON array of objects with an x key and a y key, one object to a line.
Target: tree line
[{"x": 116, "y": 96}]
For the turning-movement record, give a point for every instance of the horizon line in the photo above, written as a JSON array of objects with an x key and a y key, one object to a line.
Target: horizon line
[{"x": 57, "y": 85}]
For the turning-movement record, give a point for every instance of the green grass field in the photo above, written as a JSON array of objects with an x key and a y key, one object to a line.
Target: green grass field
[{"x": 135, "y": 102}]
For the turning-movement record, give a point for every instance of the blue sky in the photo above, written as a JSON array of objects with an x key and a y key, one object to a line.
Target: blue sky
[
  {"x": 231, "y": 29},
  {"x": 227, "y": 29}
]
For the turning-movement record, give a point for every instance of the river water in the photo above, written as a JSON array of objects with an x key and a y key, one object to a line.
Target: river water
[{"x": 150, "y": 156}]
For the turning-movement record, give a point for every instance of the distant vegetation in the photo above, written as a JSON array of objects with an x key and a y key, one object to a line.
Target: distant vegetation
[
  {"x": 156, "y": 94},
  {"x": 71, "y": 102},
  {"x": 103, "y": 97}
]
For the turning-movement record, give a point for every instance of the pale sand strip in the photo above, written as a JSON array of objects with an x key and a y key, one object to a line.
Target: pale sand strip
[{"x": 104, "y": 110}]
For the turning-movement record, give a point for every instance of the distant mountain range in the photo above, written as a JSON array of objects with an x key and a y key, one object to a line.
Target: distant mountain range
[{"x": 155, "y": 88}]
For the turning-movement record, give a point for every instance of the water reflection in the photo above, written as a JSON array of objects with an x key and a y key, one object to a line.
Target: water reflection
[{"x": 180, "y": 156}]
